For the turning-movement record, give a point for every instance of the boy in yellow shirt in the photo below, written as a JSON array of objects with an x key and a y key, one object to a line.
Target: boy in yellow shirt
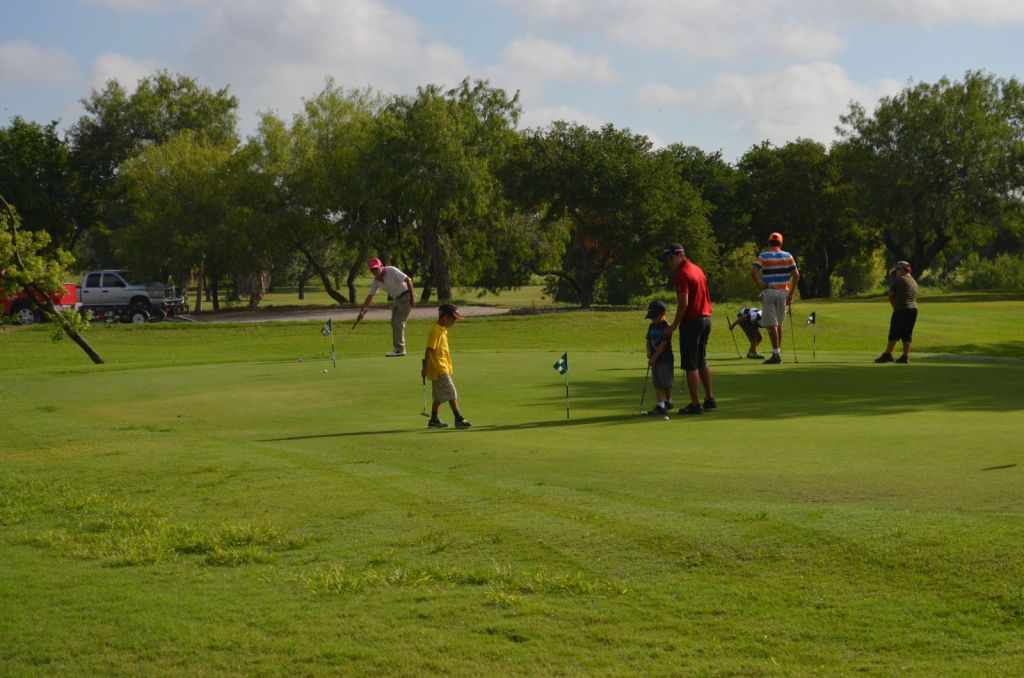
[{"x": 437, "y": 367}]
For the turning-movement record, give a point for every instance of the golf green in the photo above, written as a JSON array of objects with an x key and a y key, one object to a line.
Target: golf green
[{"x": 211, "y": 502}]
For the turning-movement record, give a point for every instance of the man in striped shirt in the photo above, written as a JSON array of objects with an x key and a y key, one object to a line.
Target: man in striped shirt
[{"x": 776, "y": 275}]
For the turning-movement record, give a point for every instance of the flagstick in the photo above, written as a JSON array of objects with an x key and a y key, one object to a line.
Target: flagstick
[
  {"x": 334, "y": 358},
  {"x": 567, "y": 395}
]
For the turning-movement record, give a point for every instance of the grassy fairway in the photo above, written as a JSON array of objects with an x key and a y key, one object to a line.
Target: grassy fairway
[{"x": 211, "y": 502}]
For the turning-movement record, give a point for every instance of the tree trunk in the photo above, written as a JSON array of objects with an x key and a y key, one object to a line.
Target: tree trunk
[
  {"x": 324, "y": 277},
  {"x": 304, "y": 277},
  {"x": 438, "y": 262},
  {"x": 200, "y": 284},
  {"x": 213, "y": 290},
  {"x": 353, "y": 272}
]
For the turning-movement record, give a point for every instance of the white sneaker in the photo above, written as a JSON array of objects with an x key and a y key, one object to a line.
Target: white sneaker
[{"x": 395, "y": 354}]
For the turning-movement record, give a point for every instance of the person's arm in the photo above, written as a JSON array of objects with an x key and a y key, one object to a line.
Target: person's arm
[
  {"x": 795, "y": 281},
  {"x": 426, "y": 359},
  {"x": 412, "y": 294},
  {"x": 755, "y": 275},
  {"x": 682, "y": 299},
  {"x": 892, "y": 296},
  {"x": 734, "y": 323},
  {"x": 657, "y": 352},
  {"x": 366, "y": 304}
]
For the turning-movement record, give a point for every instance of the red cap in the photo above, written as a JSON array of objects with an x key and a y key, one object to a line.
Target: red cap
[
  {"x": 375, "y": 263},
  {"x": 775, "y": 237}
]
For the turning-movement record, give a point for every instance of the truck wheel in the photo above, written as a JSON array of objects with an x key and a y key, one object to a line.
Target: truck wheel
[
  {"x": 139, "y": 316},
  {"x": 23, "y": 314}
]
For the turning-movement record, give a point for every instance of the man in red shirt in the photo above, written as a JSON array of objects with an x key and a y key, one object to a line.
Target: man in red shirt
[{"x": 693, "y": 317}]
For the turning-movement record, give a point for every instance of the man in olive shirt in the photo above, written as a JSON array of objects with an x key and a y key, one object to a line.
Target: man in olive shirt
[{"x": 903, "y": 297}]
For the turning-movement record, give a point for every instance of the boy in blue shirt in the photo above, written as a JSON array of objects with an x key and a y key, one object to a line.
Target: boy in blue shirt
[{"x": 659, "y": 357}]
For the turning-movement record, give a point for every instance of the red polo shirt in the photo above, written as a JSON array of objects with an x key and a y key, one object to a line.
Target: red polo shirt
[{"x": 691, "y": 279}]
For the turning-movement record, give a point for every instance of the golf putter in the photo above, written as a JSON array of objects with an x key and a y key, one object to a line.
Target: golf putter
[
  {"x": 423, "y": 410},
  {"x": 734, "y": 339},
  {"x": 643, "y": 393}
]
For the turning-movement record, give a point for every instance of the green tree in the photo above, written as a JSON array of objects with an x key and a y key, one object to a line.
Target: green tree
[
  {"x": 938, "y": 163},
  {"x": 181, "y": 201},
  {"x": 28, "y": 263},
  {"x": 37, "y": 174},
  {"x": 615, "y": 200},
  {"x": 718, "y": 183},
  {"x": 439, "y": 161},
  {"x": 800, "y": 190},
  {"x": 118, "y": 124},
  {"x": 331, "y": 176}
]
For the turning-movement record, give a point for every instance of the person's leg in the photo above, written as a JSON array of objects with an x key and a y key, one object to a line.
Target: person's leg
[
  {"x": 894, "y": 335},
  {"x": 693, "y": 386},
  {"x": 705, "y": 380},
  {"x": 399, "y": 315},
  {"x": 906, "y": 350}
]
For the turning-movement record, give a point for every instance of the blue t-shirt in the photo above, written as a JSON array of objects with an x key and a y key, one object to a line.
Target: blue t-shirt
[{"x": 655, "y": 336}]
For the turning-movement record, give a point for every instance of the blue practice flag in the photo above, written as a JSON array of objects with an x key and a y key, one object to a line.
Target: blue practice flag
[
  {"x": 563, "y": 363},
  {"x": 811, "y": 319},
  {"x": 327, "y": 329}
]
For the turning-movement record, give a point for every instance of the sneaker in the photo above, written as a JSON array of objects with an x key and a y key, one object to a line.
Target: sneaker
[
  {"x": 902, "y": 360},
  {"x": 691, "y": 409},
  {"x": 657, "y": 409},
  {"x": 884, "y": 358},
  {"x": 710, "y": 404},
  {"x": 436, "y": 423},
  {"x": 773, "y": 360},
  {"x": 462, "y": 423},
  {"x": 395, "y": 354},
  {"x": 754, "y": 355}
]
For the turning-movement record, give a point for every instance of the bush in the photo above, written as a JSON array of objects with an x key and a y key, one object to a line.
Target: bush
[
  {"x": 733, "y": 281},
  {"x": 1005, "y": 272},
  {"x": 859, "y": 275}
]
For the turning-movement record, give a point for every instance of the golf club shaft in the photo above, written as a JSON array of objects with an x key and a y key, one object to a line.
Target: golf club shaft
[
  {"x": 643, "y": 391},
  {"x": 792, "y": 332},
  {"x": 733, "y": 333}
]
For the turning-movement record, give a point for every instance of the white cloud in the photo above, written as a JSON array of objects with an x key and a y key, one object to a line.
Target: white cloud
[
  {"x": 803, "y": 100},
  {"x": 272, "y": 54},
  {"x": 543, "y": 116},
  {"x": 25, "y": 64},
  {"x": 706, "y": 30},
  {"x": 125, "y": 70},
  {"x": 729, "y": 30},
  {"x": 927, "y": 12},
  {"x": 534, "y": 58}
]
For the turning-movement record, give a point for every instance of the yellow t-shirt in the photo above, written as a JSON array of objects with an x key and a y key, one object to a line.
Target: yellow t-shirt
[{"x": 439, "y": 361}]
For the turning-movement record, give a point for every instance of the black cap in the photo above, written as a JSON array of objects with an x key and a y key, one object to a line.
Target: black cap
[
  {"x": 672, "y": 248},
  {"x": 654, "y": 309}
]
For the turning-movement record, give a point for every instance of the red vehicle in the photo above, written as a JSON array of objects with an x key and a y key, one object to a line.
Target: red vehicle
[{"x": 18, "y": 307}]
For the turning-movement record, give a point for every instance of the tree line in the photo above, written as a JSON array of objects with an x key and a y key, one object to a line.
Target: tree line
[{"x": 444, "y": 184}]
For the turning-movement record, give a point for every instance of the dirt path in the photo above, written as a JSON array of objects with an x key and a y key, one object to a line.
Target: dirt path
[{"x": 342, "y": 315}]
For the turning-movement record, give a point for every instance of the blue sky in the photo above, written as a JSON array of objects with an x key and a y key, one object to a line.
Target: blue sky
[{"x": 718, "y": 74}]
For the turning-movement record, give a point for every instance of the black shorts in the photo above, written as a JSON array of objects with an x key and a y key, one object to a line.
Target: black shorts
[
  {"x": 693, "y": 342},
  {"x": 750, "y": 329},
  {"x": 901, "y": 325}
]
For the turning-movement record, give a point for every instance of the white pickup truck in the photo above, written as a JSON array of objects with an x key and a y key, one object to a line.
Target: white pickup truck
[{"x": 115, "y": 295}]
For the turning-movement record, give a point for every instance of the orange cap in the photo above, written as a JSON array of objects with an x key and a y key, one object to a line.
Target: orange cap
[{"x": 775, "y": 237}]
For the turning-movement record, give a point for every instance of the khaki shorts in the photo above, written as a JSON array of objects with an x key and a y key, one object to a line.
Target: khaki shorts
[
  {"x": 443, "y": 389},
  {"x": 773, "y": 307}
]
